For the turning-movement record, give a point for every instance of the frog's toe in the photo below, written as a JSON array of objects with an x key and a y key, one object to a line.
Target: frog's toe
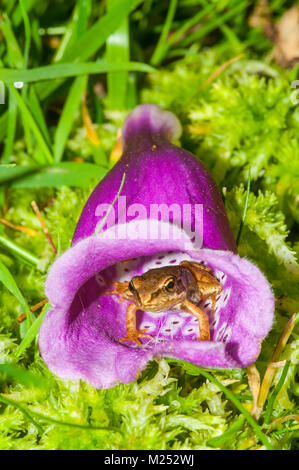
[
  {"x": 135, "y": 335},
  {"x": 131, "y": 338},
  {"x": 142, "y": 334}
]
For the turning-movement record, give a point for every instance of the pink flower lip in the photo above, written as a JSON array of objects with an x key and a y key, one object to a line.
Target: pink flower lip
[{"x": 79, "y": 337}]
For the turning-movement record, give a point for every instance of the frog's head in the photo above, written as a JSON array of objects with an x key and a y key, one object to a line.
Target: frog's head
[{"x": 158, "y": 289}]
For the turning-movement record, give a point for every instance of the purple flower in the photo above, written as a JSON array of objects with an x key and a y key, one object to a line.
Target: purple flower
[{"x": 80, "y": 335}]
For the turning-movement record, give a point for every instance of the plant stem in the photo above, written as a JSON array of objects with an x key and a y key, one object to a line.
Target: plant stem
[
  {"x": 159, "y": 51},
  {"x": 244, "y": 210},
  {"x": 275, "y": 392},
  {"x": 241, "y": 408},
  {"x": 19, "y": 251},
  {"x": 98, "y": 229}
]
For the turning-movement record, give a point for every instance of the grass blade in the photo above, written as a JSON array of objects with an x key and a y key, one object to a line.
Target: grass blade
[
  {"x": 19, "y": 252},
  {"x": 227, "y": 435},
  {"x": 32, "y": 332},
  {"x": 75, "y": 29},
  {"x": 271, "y": 371},
  {"x": 244, "y": 210},
  {"x": 88, "y": 44},
  {"x": 52, "y": 72},
  {"x": 194, "y": 20},
  {"x": 240, "y": 407},
  {"x": 13, "y": 48},
  {"x": 117, "y": 51},
  {"x": 38, "y": 114},
  {"x": 11, "y": 172},
  {"x": 16, "y": 13},
  {"x": 27, "y": 29},
  {"x": 23, "y": 376},
  {"x": 216, "y": 22},
  {"x": 7, "y": 401},
  {"x": 51, "y": 420},
  {"x": 47, "y": 155},
  {"x": 3, "y": 125},
  {"x": 84, "y": 9},
  {"x": 102, "y": 223},
  {"x": 61, "y": 174},
  {"x": 194, "y": 370},
  {"x": 11, "y": 128},
  {"x": 8, "y": 280},
  {"x": 75, "y": 425},
  {"x": 96, "y": 36},
  {"x": 159, "y": 51},
  {"x": 275, "y": 392},
  {"x": 68, "y": 116}
]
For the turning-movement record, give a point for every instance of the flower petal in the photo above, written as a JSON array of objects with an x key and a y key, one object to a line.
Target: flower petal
[
  {"x": 159, "y": 174},
  {"x": 169, "y": 210},
  {"x": 79, "y": 338}
]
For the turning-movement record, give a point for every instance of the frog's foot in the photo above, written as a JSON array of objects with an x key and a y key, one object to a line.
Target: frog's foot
[
  {"x": 119, "y": 288},
  {"x": 132, "y": 332},
  {"x": 134, "y": 335},
  {"x": 192, "y": 264}
]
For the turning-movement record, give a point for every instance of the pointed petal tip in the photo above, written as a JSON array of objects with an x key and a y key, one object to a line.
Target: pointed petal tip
[{"x": 150, "y": 118}]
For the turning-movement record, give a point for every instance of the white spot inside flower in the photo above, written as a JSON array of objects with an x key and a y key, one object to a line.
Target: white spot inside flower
[
  {"x": 226, "y": 335},
  {"x": 150, "y": 327},
  {"x": 221, "y": 332},
  {"x": 225, "y": 297},
  {"x": 189, "y": 329},
  {"x": 220, "y": 276},
  {"x": 194, "y": 320},
  {"x": 165, "y": 259},
  {"x": 167, "y": 331},
  {"x": 159, "y": 340}
]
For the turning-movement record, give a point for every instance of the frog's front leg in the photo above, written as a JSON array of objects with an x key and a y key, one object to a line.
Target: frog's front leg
[
  {"x": 203, "y": 319},
  {"x": 213, "y": 299},
  {"x": 132, "y": 333},
  {"x": 207, "y": 284},
  {"x": 120, "y": 288}
]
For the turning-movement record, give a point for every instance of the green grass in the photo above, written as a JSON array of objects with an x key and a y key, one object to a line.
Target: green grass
[{"x": 241, "y": 124}]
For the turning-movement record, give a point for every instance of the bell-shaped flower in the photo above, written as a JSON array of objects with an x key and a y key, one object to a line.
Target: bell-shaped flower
[{"x": 168, "y": 211}]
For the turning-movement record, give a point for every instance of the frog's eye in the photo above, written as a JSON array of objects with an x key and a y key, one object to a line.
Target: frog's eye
[
  {"x": 170, "y": 285},
  {"x": 131, "y": 287}
]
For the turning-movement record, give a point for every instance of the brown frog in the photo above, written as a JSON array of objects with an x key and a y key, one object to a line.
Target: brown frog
[{"x": 168, "y": 288}]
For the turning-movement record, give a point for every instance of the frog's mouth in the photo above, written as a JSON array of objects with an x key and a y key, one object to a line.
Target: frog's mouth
[{"x": 80, "y": 335}]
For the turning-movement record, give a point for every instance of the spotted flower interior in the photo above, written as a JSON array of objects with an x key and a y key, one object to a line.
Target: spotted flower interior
[
  {"x": 80, "y": 336},
  {"x": 174, "y": 324}
]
